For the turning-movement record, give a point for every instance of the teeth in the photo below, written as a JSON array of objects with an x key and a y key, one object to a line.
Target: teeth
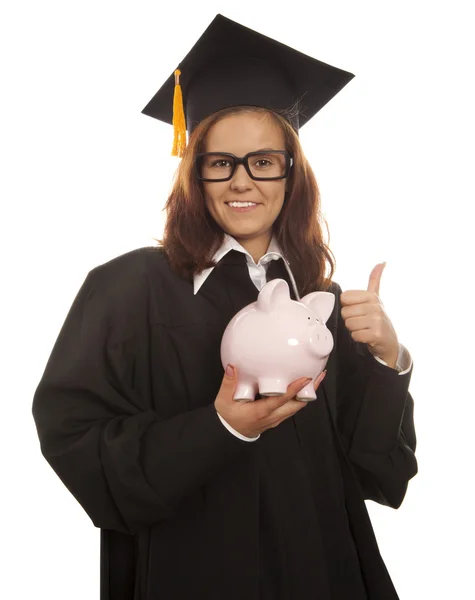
[{"x": 241, "y": 204}]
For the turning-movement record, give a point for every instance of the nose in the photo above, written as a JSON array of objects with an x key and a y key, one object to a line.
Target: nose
[{"x": 240, "y": 180}]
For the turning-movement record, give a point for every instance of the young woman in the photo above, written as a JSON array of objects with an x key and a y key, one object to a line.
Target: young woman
[{"x": 199, "y": 496}]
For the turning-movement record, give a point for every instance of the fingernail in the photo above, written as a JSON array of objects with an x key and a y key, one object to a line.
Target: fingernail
[
  {"x": 230, "y": 371},
  {"x": 307, "y": 381},
  {"x": 322, "y": 375}
]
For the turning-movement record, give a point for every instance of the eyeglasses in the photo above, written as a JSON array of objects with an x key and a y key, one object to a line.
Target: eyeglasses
[{"x": 264, "y": 165}]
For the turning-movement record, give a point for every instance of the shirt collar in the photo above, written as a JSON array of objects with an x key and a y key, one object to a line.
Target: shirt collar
[{"x": 229, "y": 243}]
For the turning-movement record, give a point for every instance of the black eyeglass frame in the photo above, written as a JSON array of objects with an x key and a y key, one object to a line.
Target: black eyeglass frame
[{"x": 243, "y": 160}]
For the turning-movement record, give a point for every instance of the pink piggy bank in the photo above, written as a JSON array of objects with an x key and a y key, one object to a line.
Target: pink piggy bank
[{"x": 276, "y": 340}]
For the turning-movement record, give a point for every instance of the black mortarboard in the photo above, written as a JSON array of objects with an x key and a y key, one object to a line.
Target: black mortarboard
[{"x": 232, "y": 65}]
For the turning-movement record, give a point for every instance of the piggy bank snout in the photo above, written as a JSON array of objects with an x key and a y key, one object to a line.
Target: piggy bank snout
[{"x": 321, "y": 341}]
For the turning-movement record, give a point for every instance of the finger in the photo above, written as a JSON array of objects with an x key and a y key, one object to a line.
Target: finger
[
  {"x": 359, "y": 310},
  {"x": 375, "y": 278},
  {"x": 359, "y": 323},
  {"x": 354, "y": 297},
  {"x": 319, "y": 380}
]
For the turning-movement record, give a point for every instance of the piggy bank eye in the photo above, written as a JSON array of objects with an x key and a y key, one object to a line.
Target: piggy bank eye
[{"x": 316, "y": 319}]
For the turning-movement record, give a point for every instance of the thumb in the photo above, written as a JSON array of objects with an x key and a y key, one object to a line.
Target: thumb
[
  {"x": 375, "y": 278},
  {"x": 228, "y": 385},
  {"x": 229, "y": 379}
]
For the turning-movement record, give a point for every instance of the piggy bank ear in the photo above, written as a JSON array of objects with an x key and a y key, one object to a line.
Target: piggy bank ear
[
  {"x": 320, "y": 303},
  {"x": 273, "y": 294}
]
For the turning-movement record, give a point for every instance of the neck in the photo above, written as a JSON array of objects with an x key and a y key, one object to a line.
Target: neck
[{"x": 256, "y": 247}]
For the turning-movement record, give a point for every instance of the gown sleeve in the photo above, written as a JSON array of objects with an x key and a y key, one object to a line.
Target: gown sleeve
[
  {"x": 127, "y": 466},
  {"x": 375, "y": 418}
]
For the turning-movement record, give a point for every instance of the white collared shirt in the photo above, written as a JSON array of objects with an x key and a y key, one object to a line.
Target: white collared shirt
[{"x": 257, "y": 273}]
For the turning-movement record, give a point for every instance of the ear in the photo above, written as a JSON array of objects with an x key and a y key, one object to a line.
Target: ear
[
  {"x": 273, "y": 294},
  {"x": 321, "y": 303}
]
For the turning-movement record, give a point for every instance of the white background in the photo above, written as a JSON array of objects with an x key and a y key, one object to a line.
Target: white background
[{"x": 84, "y": 176}]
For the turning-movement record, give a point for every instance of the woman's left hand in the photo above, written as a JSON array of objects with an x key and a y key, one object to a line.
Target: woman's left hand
[{"x": 365, "y": 318}]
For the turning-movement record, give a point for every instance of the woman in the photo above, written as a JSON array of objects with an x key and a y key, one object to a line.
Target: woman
[{"x": 197, "y": 495}]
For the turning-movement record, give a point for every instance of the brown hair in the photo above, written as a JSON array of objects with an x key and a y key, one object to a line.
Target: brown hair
[{"x": 191, "y": 235}]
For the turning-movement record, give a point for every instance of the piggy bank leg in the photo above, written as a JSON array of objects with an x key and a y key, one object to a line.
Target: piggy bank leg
[
  {"x": 246, "y": 390},
  {"x": 272, "y": 387},
  {"x": 307, "y": 393}
]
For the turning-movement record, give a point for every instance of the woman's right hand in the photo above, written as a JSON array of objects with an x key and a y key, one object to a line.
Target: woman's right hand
[{"x": 252, "y": 418}]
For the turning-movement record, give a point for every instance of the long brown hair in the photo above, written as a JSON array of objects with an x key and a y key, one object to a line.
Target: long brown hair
[{"x": 191, "y": 235}]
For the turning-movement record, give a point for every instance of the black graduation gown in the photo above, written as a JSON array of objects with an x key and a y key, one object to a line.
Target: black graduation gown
[{"x": 125, "y": 416}]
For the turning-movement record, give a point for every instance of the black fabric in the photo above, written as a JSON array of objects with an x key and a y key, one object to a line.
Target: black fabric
[
  {"x": 232, "y": 65},
  {"x": 125, "y": 417}
]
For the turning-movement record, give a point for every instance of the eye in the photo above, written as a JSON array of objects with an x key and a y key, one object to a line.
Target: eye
[
  {"x": 220, "y": 163},
  {"x": 263, "y": 163}
]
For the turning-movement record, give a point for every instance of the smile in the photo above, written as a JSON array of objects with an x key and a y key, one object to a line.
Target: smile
[{"x": 242, "y": 207}]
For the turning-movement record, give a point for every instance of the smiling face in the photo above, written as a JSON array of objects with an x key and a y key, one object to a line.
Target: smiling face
[{"x": 250, "y": 225}]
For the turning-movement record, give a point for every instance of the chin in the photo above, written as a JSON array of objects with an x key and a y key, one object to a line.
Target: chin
[{"x": 243, "y": 234}]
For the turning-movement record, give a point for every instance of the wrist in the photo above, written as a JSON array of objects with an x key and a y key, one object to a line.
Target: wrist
[
  {"x": 248, "y": 436},
  {"x": 390, "y": 361}
]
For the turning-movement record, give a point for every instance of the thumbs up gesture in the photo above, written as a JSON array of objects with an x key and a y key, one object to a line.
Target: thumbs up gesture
[{"x": 365, "y": 318}]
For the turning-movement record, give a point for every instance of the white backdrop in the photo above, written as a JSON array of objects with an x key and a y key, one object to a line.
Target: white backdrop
[{"x": 85, "y": 176}]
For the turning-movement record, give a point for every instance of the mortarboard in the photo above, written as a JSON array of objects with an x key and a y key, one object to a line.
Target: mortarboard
[{"x": 232, "y": 65}]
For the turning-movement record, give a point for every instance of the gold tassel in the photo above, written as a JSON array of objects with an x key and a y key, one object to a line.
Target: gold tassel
[{"x": 179, "y": 125}]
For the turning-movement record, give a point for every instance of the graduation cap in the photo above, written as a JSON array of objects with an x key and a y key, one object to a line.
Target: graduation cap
[{"x": 232, "y": 65}]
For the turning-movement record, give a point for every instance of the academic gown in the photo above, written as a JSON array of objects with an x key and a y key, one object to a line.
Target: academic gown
[{"x": 125, "y": 416}]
